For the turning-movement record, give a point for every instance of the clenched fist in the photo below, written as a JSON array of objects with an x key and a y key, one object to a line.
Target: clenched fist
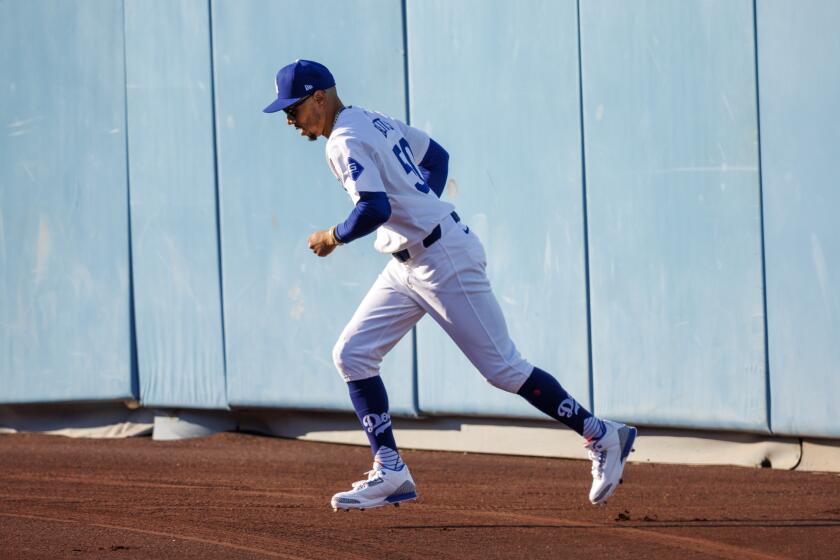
[{"x": 323, "y": 242}]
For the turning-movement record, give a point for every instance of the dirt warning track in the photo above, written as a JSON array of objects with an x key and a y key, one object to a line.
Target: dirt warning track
[{"x": 245, "y": 496}]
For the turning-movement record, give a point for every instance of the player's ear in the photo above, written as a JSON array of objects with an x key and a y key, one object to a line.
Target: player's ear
[{"x": 320, "y": 96}]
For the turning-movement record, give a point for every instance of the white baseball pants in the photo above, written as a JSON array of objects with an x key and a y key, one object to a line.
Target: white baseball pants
[{"x": 448, "y": 281}]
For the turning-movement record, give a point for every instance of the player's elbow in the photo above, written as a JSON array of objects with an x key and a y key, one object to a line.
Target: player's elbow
[
  {"x": 436, "y": 156},
  {"x": 382, "y": 212},
  {"x": 443, "y": 157}
]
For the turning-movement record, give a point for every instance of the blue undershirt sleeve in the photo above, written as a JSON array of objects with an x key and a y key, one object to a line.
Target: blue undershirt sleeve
[
  {"x": 372, "y": 211},
  {"x": 435, "y": 167}
]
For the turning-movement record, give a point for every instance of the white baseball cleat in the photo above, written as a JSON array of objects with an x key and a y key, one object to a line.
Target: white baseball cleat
[
  {"x": 383, "y": 487},
  {"x": 608, "y": 454}
]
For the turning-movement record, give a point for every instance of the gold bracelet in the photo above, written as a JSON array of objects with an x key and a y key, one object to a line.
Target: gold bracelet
[{"x": 334, "y": 239}]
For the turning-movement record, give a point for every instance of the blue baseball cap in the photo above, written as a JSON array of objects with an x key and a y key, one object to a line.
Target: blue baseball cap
[{"x": 297, "y": 80}]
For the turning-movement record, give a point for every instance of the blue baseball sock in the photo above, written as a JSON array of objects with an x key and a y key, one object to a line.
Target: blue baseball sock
[
  {"x": 546, "y": 394},
  {"x": 371, "y": 403}
]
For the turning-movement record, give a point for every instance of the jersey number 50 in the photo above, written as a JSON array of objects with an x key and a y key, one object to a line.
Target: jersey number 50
[{"x": 406, "y": 159}]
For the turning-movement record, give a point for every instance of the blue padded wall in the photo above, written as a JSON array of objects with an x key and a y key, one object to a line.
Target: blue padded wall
[
  {"x": 285, "y": 307},
  {"x": 670, "y": 135},
  {"x": 64, "y": 268},
  {"x": 116, "y": 124},
  {"x": 800, "y": 133},
  {"x": 177, "y": 296},
  {"x": 496, "y": 83}
]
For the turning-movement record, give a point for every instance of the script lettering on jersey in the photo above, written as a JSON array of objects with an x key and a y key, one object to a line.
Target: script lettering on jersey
[
  {"x": 382, "y": 126},
  {"x": 376, "y": 424}
]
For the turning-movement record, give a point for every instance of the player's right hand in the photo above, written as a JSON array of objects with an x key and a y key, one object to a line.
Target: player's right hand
[{"x": 322, "y": 243}]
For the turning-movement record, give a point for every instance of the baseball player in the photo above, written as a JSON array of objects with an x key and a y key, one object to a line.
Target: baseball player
[{"x": 395, "y": 174}]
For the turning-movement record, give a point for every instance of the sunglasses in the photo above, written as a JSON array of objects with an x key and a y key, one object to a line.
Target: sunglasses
[{"x": 291, "y": 110}]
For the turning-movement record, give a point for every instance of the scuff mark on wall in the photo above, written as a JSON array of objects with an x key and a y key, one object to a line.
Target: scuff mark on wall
[
  {"x": 297, "y": 309},
  {"x": 19, "y": 123},
  {"x": 44, "y": 250},
  {"x": 547, "y": 258},
  {"x": 727, "y": 106},
  {"x": 707, "y": 169},
  {"x": 452, "y": 188},
  {"x": 818, "y": 256},
  {"x": 28, "y": 170},
  {"x": 2, "y": 240}
]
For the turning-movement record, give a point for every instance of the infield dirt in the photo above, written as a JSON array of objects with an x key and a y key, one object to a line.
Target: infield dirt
[{"x": 246, "y": 496}]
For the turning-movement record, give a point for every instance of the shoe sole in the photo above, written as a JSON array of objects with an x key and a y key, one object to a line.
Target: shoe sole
[
  {"x": 389, "y": 501},
  {"x": 626, "y": 449}
]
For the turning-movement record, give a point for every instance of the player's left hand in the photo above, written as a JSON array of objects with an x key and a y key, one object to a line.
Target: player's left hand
[{"x": 322, "y": 242}]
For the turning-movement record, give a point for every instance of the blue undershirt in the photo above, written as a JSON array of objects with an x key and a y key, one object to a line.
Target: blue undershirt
[
  {"x": 372, "y": 211},
  {"x": 435, "y": 167}
]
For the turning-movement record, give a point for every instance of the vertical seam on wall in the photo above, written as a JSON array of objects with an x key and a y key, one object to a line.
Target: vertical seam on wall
[
  {"x": 135, "y": 362},
  {"x": 415, "y": 374},
  {"x": 767, "y": 394},
  {"x": 585, "y": 219},
  {"x": 405, "y": 61},
  {"x": 213, "y": 113}
]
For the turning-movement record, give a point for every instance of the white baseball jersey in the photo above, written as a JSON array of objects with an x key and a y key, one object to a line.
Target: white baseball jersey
[{"x": 371, "y": 152}]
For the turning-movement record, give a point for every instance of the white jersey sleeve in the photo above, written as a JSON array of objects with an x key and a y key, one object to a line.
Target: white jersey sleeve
[{"x": 418, "y": 140}]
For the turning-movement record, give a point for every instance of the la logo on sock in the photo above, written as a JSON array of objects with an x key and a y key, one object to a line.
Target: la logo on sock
[{"x": 376, "y": 423}]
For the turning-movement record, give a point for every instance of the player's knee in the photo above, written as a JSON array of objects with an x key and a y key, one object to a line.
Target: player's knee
[
  {"x": 348, "y": 362},
  {"x": 509, "y": 380}
]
